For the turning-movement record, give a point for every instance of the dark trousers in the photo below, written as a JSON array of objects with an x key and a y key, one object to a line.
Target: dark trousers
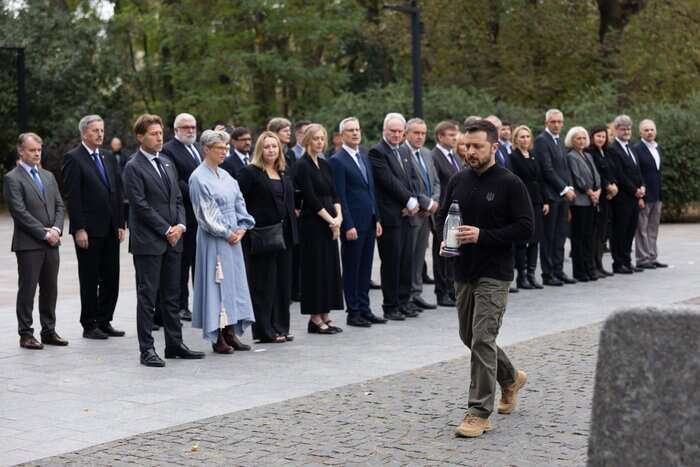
[
  {"x": 189, "y": 248},
  {"x": 357, "y": 258},
  {"x": 582, "y": 218},
  {"x": 296, "y": 272},
  {"x": 157, "y": 280},
  {"x": 270, "y": 282},
  {"x": 98, "y": 271},
  {"x": 37, "y": 267},
  {"x": 395, "y": 251},
  {"x": 556, "y": 229},
  {"x": 526, "y": 257},
  {"x": 480, "y": 307},
  {"x": 600, "y": 232},
  {"x": 443, "y": 269},
  {"x": 625, "y": 216}
]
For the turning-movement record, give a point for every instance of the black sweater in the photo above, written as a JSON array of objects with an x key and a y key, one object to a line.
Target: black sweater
[{"x": 498, "y": 204}]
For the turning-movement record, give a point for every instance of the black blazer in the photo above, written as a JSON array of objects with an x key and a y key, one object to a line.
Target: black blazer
[
  {"x": 91, "y": 204},
  {"x": 605, "y": 166},
  {"x": 256, "y": 187},
  {"x": 233, "y": 165},
  {"x": 553, "y": 164},
  {"x": 650, "y": 174},
  {"x": 185, "y": 165},
  {"x": 529, "y": 172},
  {"x": 393, "y": 184},
  {"x": 152, "y": 208},
  {"x": 445, "y": 171},
  {"x": 629, "y": 177}
]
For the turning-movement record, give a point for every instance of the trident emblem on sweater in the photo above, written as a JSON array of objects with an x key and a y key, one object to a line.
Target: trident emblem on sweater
[{"x": 490, "y": 196}]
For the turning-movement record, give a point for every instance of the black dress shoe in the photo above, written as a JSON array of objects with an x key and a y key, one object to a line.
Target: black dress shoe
[
  {"x": 330, "y": 324},
  {"x": 409, "y": 313},
  {"x": 660, "y": 265},
  {"x": 358, "y": 321},
  {"x": 155, "y": 327},
  {"x": 372, "y": 318},
  {"x": 446, "y": 300},
  {"x": 30, "y": 342},
  {"x": 566, "y": 279},
  {"x": 622, "y": 270},
  {"x": 421, "y": 303},
  {"x": 552, "y": 281},
  {"x": 53, "y": 339},
  {"x": 185, "y": 315},
  {"x": 410, "y": 306},
  {"x": 513, "y": 290},
  {"x": 646, "y": 265},
  {"x": 581, "y": 278},
  {"x": 374, "y": 286},
  {"x": 533, "y": 281},
  {"x": 150, "y": 358},
  {"x": 110, "y": 331},
  {"x": 182, "y": 351},
  {"x": 94, "y": 333},
  {"x": 394, "y": 315},
  {"x": 605, "y": 272},
  {"x": 428, "y": 280},
  {"x": 637, "y": 269},
  {"x": 314, "y": 328}
]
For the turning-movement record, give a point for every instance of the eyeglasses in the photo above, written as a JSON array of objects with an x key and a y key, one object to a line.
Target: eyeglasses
[
  {"x": 244, "y": 139},
  {"x": 187, "y": 127}
]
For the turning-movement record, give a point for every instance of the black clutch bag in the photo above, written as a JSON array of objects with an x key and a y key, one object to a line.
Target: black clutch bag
[{"x": 268, "y": 239}]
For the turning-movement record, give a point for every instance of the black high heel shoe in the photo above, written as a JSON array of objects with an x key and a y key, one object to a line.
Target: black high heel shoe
[{"x": 314, "y": 328}]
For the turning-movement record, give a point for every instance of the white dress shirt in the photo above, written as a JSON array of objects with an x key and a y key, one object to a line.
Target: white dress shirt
[{"x": 654, "y": 150}]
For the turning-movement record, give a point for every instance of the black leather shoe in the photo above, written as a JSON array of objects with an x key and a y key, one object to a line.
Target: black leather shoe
[
  {"x": 622, "y": 270},
  {"x": 155, "y": 327},
  {"x": 53, "y": 339},
  {"x": 445, "y": 300},
  {"x": 374, "y": 319},
  {"x": 646, "y": 265},
  {"x": 582, "y": 278},
  {"x": 374, "y": 286},
  {"x": 410, "y": 306},
  {"x": 94, "y": 333},
  {"x": 637, "y": 269},
  {"x": 182, "y": 351},
  {"x": 523, "y": 282},
  {"x": 358, "y": 321},
  {"x": 421, "y": 303},
  {"x": 513, "y": 290},
  {"x": 533, "y": 281},
  {"x": 314, "y": 328},
  {"x": 409, "y": 313},
  {"x": 110, "y": 331},
  {"x": 150, "y": 358},
  {"x": 185, "y": 315},
  {"x": 605, "y": 272},
  {"x": 428, "y": 280},
  {"x": 660, "y": 265},
  {"x": 566, "y": 279},
  {"x": 552, "y": 281},
  {"x": 394, "y": 315},
  {"x": 30, "y": 342}
]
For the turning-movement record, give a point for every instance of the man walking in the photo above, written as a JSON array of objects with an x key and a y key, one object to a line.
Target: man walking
[
  {"x": 157, "y": 223},
  {"x": 36, "y": 207},
  {"x": 496, "y": 213}
]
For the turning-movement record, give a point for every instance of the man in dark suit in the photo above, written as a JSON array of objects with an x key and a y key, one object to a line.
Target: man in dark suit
[
  {"x": 93, "y": 192},
  {"x": 650, "y": 163},
  {"x": 120, "y": 155},
  {"x": 239, "y": 151},
  {"x": 446, "y": 165},
  {"x": 502, "y": 152},
  {"x": 626, "y": 203},
  {"x": 156, "y": 223},
  {"x": 395, "y": 182},
  {"x": 36, "y": 207},
  {"x": 186, "y": 155},
  {"x": 354, "y": 183},
  {"x": 428, "y": 190},
  {"x": 559, "y": 191}
]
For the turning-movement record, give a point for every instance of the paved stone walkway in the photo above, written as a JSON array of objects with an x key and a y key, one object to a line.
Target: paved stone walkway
[{"x": 404, "y": 419}]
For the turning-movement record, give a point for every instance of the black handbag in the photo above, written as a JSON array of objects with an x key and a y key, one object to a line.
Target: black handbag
[{"x": 268, "y": 239}]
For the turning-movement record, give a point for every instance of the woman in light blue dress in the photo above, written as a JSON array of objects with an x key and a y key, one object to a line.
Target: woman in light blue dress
[{"x": 221, "y": 307}]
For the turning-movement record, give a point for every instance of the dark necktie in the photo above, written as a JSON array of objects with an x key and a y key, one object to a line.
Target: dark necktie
[
  {"x": 37, "y": 180},
  {"x": 424, "y": 174},
  {"x": 629, "y": 153},
  {"x": 246, "y": 159},
  {"x": 100, "y": 168},
  {"x": 453, "y": 160},
  {"x": 361, "y": 165},
  {"x": 398, "y": 157},
  {"x": 163, "y": 175},
  {"x": 193, "y": 152}
]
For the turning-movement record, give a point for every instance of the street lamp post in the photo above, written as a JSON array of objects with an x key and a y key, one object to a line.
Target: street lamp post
[
  {"x": 413, "y": 10},
  {"x": 22, "y": 114}
]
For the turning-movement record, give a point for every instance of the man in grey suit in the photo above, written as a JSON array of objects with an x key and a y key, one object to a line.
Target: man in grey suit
[
  {"x": 429, "y": 188},
  {"x": 32, "y": 196},
  {"x": 156, "y": 223}
]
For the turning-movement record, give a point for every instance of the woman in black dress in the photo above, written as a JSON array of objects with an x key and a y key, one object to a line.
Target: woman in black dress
[
  {"x": 598, "y": 149},
  {"x": 269, "y": 197},
  {"x": 319, "y": 225},
  {"x": 524, "y": 165}
]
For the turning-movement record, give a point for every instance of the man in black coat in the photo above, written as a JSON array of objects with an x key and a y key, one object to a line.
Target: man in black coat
[
  {"x": 157, "y": 224},
  {"x": 93, "y": 193},
  {"x": 626, "y": 203},
  {"x": 395, "y": 181},
  {"x": 186, "y": 155},
  {"x": 239, "y": 150},
  {"x": 559, "y": 191}
]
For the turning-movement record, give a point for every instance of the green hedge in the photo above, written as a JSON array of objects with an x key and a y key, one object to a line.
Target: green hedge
[{"x": 674, "y": 121}]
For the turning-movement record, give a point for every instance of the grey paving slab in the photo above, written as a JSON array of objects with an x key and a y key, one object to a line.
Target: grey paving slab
[
  {"x": 402, "y": 419},
  {"x": 53, "y": 387}
]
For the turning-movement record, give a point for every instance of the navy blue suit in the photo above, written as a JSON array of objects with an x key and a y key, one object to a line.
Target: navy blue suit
[
  {"x": 359, "y": 207},
  {"x": 650, "y": 174}
]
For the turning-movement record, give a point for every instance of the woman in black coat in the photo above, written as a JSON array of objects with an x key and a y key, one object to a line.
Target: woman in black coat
[
  {"x": 598, "y": 149},
  {"x": 524, "y": 165},
  {"x": 319, "y": 225},
  {"x": 269, "y": 196}
]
